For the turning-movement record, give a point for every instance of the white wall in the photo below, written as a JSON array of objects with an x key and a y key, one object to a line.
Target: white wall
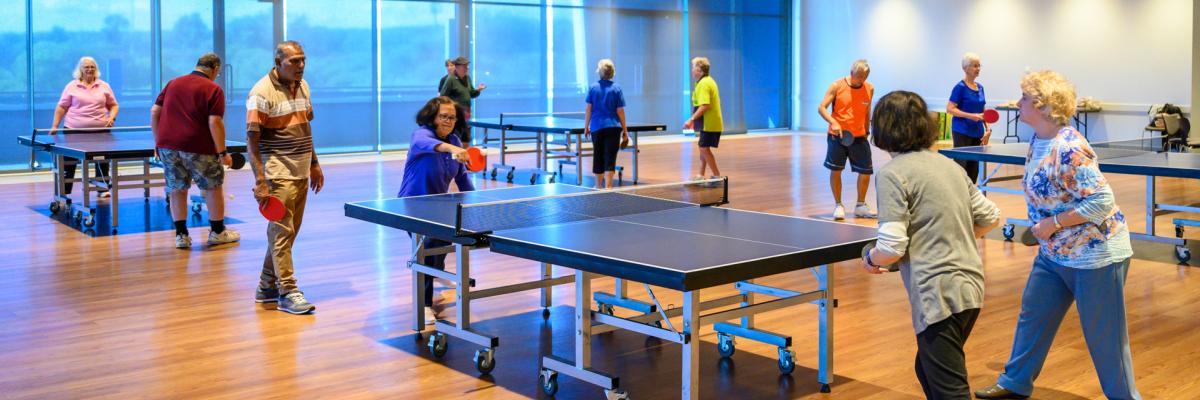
[{"x": 1125, "y": 53}]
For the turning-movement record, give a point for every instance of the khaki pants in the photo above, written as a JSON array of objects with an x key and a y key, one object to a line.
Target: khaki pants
[{"x": 278, "y": 271}]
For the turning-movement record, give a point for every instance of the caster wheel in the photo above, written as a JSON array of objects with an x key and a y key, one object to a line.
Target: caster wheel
[
  {"x": 604, "y": 308},
  {"x": 196, "y": 207},
  {"x": 548, "y": 380},
  {"x": 725, "y": 345},
  {"x": 437, "y": 344},
  {"x": 787, "y": 361},
  {"x": 545, "y": 313},
  {"x": 1183, "y": 253},
  {"x": 553, "y": 178},
  {"x": 78, "y": 217},
  {"x": 89, "y": 221},
  {"x": 54, "y": 207},
  {"x": 533, "y": 179},
  {"x": 1179, "y": 231},
  {"x": 493, "y": 174},
  {"x": 485, "y": 361},
  {"x": 1009, "y": 232},
  {"x": 616, "y": 394},
  {"x": 509, "y": 177},
  {"x": 824, "y": 388}
]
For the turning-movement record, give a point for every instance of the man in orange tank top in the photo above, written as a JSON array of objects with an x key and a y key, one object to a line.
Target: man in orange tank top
[{"x": 849, "y": 117}]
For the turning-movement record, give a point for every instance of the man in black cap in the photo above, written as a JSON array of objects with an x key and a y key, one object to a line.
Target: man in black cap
[{"x": 458, "y": 88}]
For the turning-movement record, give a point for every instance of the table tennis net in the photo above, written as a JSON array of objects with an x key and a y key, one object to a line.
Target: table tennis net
[
  {"x": 1125, "y": 148},
  {"x": 482, "y": 218}
]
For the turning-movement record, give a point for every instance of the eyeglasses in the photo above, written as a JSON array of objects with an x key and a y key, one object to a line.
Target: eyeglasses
[{"x": 447, "y": 118}]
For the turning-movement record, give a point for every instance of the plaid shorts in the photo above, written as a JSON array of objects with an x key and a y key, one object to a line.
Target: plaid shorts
[{"x": 181, "y": 168}]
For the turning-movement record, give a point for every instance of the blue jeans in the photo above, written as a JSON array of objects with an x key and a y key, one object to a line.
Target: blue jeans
[{"x": 1099, "y": 297}]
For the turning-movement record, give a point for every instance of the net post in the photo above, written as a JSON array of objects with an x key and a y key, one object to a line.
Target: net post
[
  {"x": 725, "y": 196},
  {"x": 458, "y": 219}
]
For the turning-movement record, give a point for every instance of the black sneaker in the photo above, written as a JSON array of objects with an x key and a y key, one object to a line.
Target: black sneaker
[
  {"x": 294, "y": 303},
  {"x": 268, "y": 295}
]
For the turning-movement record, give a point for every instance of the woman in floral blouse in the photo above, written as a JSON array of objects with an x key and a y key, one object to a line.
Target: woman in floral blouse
[{"x": 1084, "y": 254}]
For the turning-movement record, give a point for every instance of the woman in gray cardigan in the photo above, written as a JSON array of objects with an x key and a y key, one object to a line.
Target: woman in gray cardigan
[{"x": 929, "y": 217}]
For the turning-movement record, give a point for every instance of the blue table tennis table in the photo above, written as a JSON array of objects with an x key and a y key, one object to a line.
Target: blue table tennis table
[
  {"x": 538, "y": 129},
  {"x": 639, "y": 234},
  {"x": 112, "y": 146},
  {"x": 1145, "y": 157}
]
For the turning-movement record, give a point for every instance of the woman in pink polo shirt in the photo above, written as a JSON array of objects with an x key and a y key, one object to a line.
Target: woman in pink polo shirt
[{"x": 86, "y": 102}]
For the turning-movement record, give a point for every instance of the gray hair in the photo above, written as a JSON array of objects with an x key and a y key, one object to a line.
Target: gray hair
[
  {"x": 79, "y": 67},
  {"x": 702, "y": 63},
  {"x": 209, "y": 61},
  {"x": 605, "y": 69},
  {"x": 859, "y": 66},
  {"x": 969, "y": 58},
  {"x": 281, "y": 49}
]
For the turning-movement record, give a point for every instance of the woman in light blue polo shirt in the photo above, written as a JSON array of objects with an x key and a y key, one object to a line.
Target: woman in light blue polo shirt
[
  {"x": 604, "y": 120},
  {"x": 966, "y": 105}
]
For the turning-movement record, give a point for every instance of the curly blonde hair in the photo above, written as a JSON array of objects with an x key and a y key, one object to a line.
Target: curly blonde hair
[{"x": 1052, "y": 94}]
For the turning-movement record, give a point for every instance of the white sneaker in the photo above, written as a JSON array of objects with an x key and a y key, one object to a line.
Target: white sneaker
[
  {"x": 864, "y": 211},
  {"x": 698, "y": 178},
  {"x": 839, "y": 213},
  {"x": 226, "y": 236},
  {"x": 183, "y": 241},
  {"x": 430, "y": 316}
]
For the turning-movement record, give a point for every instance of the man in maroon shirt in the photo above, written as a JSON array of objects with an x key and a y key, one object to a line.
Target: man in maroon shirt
[{"x": 189, "y": 134}]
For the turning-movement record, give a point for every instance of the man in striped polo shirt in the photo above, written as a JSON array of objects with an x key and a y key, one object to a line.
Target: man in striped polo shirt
[{"x": 279, "y": 140}]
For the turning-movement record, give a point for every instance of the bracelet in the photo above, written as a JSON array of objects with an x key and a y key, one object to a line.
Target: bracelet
[
  {"x": 869, "y": 262},
  {"x": 1056, "y": 224}
]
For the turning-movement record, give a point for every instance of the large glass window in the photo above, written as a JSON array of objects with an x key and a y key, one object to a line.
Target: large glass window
[
  {"x": 413, "y": 53},
  {"x": 509, "y": 57},
  {"x": 340, "y": 71},
  {"x": 367, "y": 84},
  {"x": 115, "y": 33},
  {"x": 14, "y": 87},
  {"x": 187, "y": 33},
  {"x": 249, "y": 56},
  {"x": 747, "y": 46}
]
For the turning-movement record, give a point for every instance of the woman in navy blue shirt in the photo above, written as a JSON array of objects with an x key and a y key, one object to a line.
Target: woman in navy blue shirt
[
  {"x": 966, "y": 105},
  {"x": 604, "y": 120},
  {"x": 435, "y": 157}
]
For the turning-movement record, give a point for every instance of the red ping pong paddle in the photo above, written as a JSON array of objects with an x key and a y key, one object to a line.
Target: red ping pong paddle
[
  {"x": 478, "y": 160},
  {"x": 271, "y": 209},
  {"x": 991, "y": 115}
]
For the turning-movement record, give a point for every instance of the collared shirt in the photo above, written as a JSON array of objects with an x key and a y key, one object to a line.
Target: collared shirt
[
  {"x": 281, "y": 115},
  {"x": 87, "y": 104},
  {"x": 427, "y": 171},
  {"x": 1061, "y": 174},
  {"x": 187, "y": 102},
  {"x": 706, "y": 92},
  {"x": 605, "y": 97}
]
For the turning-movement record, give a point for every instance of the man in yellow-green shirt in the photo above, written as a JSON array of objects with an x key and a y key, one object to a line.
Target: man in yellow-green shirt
[{"x": 706, "y": 116}]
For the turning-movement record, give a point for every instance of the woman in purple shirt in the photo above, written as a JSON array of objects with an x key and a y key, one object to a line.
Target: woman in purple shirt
[
  {"x": 86, "y": 102},
  {"x": 435, "y": 157}
]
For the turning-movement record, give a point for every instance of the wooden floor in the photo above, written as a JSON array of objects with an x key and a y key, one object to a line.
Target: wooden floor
[{"x": 129, "y": 316}]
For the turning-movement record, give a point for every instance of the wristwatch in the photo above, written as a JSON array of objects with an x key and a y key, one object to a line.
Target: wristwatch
[
  {"x": 1057, "y": 225},
  {"x": 222, "y": 153}
]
